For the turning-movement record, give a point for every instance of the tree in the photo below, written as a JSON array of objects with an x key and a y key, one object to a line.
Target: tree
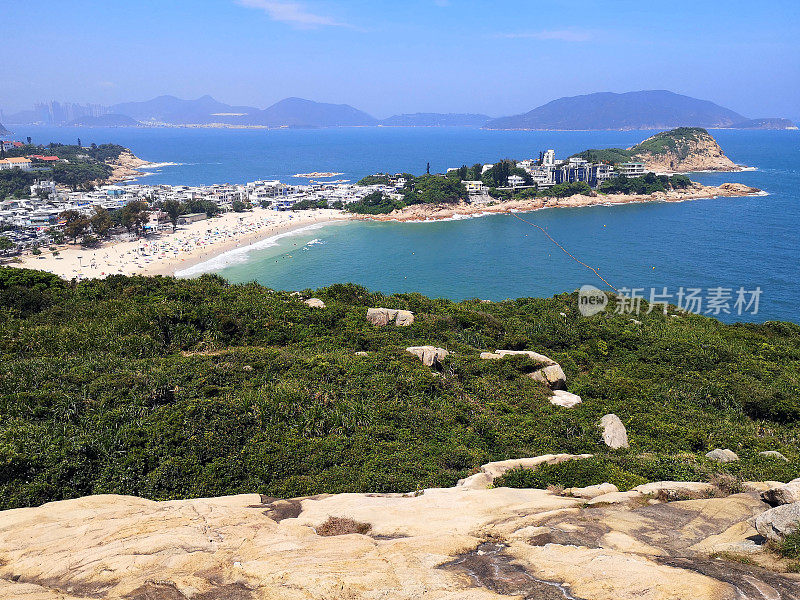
[
  {"x": 5, "y": 244},
  {"x": 79, "y": 143},
  {"x": 238, "y": 206},
  {"x": 101, "y": 222},
  {"x": 56, "y": 235},
  {"x": 428, "y": 169},
  {"x": 205, "y": 205},
  {"x": 134, "y": 216},
  {"x": 477, "y": 171},
  {"x": 75, "y": 224},
  {"x": 434, "y": 189},
  {"x": 173, "y": 208}
]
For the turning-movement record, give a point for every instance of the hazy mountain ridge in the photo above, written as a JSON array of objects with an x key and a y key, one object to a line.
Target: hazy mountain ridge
[
  {"x": 650, "y": 109},
  {"x": 437, "y": 120},
  {"x": 653, "y": 109},
  {"x": 3, "y": 130},
  {"x": 109, "y": 120},
  {"x": 767, "y": 123}
]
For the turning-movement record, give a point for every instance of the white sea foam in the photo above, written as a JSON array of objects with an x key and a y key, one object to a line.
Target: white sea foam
[
  {"x": 240, "y": 255},
  {"x": 161, "y": 164}
]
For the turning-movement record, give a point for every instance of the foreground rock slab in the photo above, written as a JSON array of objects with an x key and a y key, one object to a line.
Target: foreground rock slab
[{"x": 410, "y": 546}]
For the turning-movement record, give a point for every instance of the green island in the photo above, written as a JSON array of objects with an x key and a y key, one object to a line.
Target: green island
[
  {"x": 166, "y": 388},
  {"x": 680, "y": 142}
]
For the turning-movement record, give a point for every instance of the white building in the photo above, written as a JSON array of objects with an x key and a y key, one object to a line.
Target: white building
[
  {"x": 631, "y": 169},
  {"x": 516, "y": 181},
  {"x": 17, "y": 162},
  {"x": 474, "y": 187}
]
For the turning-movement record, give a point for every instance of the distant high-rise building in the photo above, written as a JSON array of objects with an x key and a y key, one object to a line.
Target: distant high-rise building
[{"x": 56, "y": 113}]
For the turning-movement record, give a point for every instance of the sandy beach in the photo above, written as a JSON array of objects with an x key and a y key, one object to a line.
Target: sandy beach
[
  {"x": 169, "y": 252},
  {"x": 177, "y": 253}
]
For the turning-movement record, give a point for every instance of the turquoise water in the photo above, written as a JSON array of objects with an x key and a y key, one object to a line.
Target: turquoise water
[{"x": 728, "y": 242}]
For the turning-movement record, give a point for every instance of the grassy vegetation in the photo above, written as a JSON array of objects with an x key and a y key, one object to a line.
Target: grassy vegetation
[
  {"x": 605, "y": 155},
  {"x": 627, "y": 469},
  {"x": 790, "y": 546},
  {"x": 647, "y": 184},
  {"x": 170, "y": 388},
  {"x": 678, "y": 141}
]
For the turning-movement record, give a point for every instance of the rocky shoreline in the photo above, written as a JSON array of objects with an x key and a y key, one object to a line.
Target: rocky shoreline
[
  {"x": 436, "y": 212},
  {"x": 126, "y": 166}
]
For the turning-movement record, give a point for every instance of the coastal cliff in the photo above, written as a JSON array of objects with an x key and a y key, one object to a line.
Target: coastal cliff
[
  {"x": 126, "y": 166},
  {"x": 682, "y": 150}
]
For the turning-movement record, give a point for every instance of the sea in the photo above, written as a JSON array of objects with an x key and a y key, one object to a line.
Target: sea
[{"x": 736, "y": 258}]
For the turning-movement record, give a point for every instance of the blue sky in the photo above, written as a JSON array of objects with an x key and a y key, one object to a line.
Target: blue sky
[{"x": 495, "y": 57}]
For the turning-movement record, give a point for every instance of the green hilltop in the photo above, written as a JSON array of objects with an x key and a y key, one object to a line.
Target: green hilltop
[
  {"x": 168, "y": 388},
  {"x": 680, "y": 142}
]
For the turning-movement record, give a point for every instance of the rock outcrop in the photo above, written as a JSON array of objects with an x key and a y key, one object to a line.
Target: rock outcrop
[
  {"x": 785, "y": 494},
  {"x": 315, "y": 303},
  {"x": 490, "y": 471},
  {"x": 429, "y": 544},
  {"x": 684, "y": 149},
  {"x": 551, "y": 374},
  {"x": 773, "y": 454},
  {"x": 383, "y": 316},
  {"x": 614, "y": 433},
  {"x": 565, "y": 399},
  {"x": 429, "y": 355},
  {"x": 723, "y": 456},
  {"x": 776, "y": 523}
]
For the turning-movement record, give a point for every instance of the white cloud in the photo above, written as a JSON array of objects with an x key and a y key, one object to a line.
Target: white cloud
[
  {"x": 564, "y": 35},
  {"x": 293, "y": 13}
]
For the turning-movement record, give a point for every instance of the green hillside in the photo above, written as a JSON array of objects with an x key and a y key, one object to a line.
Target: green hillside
[
  {"x": 169, "y": 388},
  {"x": 680, "y": 141}
]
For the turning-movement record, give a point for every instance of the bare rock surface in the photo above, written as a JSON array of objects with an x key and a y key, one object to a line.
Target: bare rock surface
[
  {"x": 614, "y": 433},
  {"x": 490, "y": 471},
  {"x": 429, "y": 544},
  {"x": 723, "y": 456},
  {"x": 592, "y": 491},
  {"x": 550, "y": 373},
  {"x": 315, "y": 303},
  {"x": 565, "y": 399},
  {"x": 775, "y": 523},
  {"x": 773, "y": 454},
  {"x": 788, "y": 493},
  {"x": 429, "y": 355},
  {"x": 383, "y": 316}
]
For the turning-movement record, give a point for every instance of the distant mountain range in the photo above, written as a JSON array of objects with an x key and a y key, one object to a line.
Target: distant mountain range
[
  {"x": 3, "y": 130},
  {"x": 655, "y": 109},
  {"x": 651, "y": 109},
  {"x": 436, "y": 120}
]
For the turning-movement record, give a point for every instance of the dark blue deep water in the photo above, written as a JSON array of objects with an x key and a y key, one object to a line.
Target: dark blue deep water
[{"x": 727, "y": 242}]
